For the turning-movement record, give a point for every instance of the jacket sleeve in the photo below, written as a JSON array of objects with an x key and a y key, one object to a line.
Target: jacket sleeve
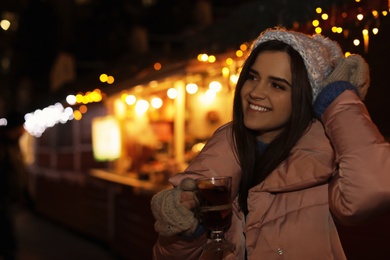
[
  {"x": 177, "y": 247},
  {"x": 217, "y": 158},
  {"x": 360, "y": 187}
]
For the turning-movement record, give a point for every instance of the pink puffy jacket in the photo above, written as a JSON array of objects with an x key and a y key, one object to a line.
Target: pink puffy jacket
[{"x": 339, "y": 171}]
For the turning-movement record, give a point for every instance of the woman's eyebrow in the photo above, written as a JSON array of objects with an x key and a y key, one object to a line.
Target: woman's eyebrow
[
  {"x": 280, "y": 79},
  {"x": 271, "y": 77},
  {"x": 253, "y": 71}
]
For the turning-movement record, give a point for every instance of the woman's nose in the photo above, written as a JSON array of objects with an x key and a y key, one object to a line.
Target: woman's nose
[{"x": 259, "y": 92}]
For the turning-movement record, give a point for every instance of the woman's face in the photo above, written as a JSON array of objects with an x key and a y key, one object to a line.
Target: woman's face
[{"x": 266, "y": 95}]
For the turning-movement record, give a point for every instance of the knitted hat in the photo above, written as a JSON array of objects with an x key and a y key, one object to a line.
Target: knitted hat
[{"x": 318, "y": 52}]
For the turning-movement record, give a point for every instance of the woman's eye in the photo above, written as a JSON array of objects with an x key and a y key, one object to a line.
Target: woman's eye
[
  {"x": 278, "y": 86},
  {"x": 251, "y": 77}
]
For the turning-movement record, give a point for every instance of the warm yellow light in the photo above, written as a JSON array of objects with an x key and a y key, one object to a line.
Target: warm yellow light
[
  {"x": 208, "y": 97},
  {"x": 360, "y": 17},
  {"x": 103, "y": 77},
  {"x": 77, "y": 115},
  {"x": 79, "y": 98},
  {"x": 203, "y": 57},
  {"x": 156, "y": 102},
  {"x": 334, "y": 29},
  {"x": 356, "y": 42},
  {"x": 318, "y": 30},
  {"x": 83, "y": 109},
  {"x": 239, "y": 53},
  {"x": 215, "y": 86},
  {"x": 157, "y": 66},
  {"x": 172, "y": 93},
  {"x": 110, "y": 79},
  {"x": 347, "y": 54},
  {"x": 375, "y": 13},
  {"x": 130, "y": 99},
  {"x": 212, "y": 59},
  {"x": 324, "y": 16},
  {"x": 5, "y": 24},
  {"x": 196, "y": 148},
  {"x": 210, "y": 94},
  {"x": 365, "y": 39},
  {"x": 243, "y": 47},
  {"x": 123, "y": 97},
  {"x": 85, "y": 100},
  {"x": 96, "y": 95},
  {"x": 225, "y": 72},
  {"x": 315, "y": 23},
  {"x": 339, "y": 30},
  {"x": 375, "y": 30},
  {"x": 106, "y": 138},
  {"x": 141, "y": 107},
  {"x": 153, "y": 84},
  {"x": 318, "y": 10},
  {"x": 119, "y": 108},
  {"x": 229, "y": 61},
  {"x": 357, "y": 1},
  {"x": 384, "y": 13},
  {"x": 234, "y": 78},
  {"x": 191, "y": 88},
  {"x": 88, "y": 96}
]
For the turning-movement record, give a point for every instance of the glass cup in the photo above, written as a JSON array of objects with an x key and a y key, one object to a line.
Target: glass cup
[{"x": 215, "y": 203}]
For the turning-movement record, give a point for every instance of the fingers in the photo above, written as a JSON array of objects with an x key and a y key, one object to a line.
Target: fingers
[
  {"x": 187, "y": 184},
  {"x": 188, "y": 199},
  {"x": 360, "y": 76}
]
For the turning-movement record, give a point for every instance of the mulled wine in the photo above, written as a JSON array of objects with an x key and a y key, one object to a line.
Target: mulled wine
[
  {"x": 216, "y": 211},
  {"x": 215, "y": 203}
]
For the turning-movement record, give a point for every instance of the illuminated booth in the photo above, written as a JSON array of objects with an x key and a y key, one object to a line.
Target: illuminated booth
[{"x": 162, "y": 123}]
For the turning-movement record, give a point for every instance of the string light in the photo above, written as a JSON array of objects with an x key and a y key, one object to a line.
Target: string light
[{"x": 354, "y": 21}]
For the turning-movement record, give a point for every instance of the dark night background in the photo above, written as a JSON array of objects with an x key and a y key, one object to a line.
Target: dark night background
[{"x": 124, "y": 37}]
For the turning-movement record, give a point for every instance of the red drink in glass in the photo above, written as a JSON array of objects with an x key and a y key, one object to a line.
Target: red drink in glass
[
  {"x": 216, "y": 210},
  {"x": 215, "y": 206}
]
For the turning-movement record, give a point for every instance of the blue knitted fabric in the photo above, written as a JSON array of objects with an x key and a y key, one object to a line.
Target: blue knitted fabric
[
  {"x": 200, "y": 230},
  {"x": 330, "y": 93},
  {"x": 262, "y": 147}
]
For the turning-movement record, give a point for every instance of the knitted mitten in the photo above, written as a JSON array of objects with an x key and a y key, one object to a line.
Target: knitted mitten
[
  {"x": 171, "y": 216},
  {"x": 353, "y": 69}
]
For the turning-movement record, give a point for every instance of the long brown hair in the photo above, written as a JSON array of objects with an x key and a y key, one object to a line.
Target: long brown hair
[{"x": 255, "y": 166}]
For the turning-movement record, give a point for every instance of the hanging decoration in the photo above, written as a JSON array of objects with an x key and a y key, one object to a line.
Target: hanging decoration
[{"x": 354, "y": 20}]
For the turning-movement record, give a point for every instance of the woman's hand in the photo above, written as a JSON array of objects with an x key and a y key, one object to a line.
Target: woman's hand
[
  {"x": 352, "y": 69},
  {"x": 188, "y": 197},
  {"x": 172, "y": 209}
]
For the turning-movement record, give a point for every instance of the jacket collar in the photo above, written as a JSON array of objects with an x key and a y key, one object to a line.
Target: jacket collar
[{"x": 310, "y": 163}]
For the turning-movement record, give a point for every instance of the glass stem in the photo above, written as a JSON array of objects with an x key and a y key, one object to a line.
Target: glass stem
[{"x": 217, "y": 236}]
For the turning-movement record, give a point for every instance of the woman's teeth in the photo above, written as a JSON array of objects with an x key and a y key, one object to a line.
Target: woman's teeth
[{"x": 258, "y": 108}]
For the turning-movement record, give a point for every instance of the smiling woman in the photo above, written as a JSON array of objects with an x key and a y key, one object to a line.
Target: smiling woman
[
  {"x": 266, "y": 95},
  {"x": 299, "y": 148}
]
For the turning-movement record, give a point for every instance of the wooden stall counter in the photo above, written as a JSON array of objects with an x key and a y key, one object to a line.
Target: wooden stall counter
[
  {"x": 111, "y": 208},
  {"x": 130, "y": 222},
  {"x": 140, "y": 186}
]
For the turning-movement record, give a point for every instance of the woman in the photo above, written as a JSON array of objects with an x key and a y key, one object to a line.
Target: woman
[{"x": 301, "y": 149}]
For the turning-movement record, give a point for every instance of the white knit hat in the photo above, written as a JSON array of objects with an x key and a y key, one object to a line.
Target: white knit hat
[{"x": 318, "y": 52}]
